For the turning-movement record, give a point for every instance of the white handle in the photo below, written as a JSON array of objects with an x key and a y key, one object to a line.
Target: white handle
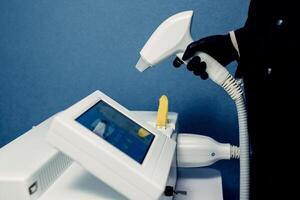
[{"x": 216, "y": 72}]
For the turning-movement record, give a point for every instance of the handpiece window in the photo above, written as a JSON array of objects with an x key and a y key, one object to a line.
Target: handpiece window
[{"x": 118, "y": 130}]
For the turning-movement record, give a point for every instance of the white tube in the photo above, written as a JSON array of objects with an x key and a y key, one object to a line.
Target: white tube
[
  {"x": 244, "y": 149},
  {"x": 222, "y": 77},
  {"x": 234, "y": 90}
]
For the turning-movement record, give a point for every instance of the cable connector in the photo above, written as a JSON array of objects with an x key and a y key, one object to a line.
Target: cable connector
[
  {"x": 200, "y": 151},
  {"x": 232, "y": 87},
  {"x": 234, "y": 152}
]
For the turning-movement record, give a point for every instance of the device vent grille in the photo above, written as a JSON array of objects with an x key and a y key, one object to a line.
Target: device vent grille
[{"x": 54, "y": 169}]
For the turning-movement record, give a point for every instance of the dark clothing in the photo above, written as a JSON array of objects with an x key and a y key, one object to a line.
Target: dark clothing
[{"x": 269, "y": 65}]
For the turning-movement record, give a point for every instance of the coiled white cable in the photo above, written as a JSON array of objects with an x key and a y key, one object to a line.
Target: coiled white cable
[
  {"x": 244, "y": 149},
  {"x": 233, "y": 88},
  {"x": 222, "y": 77}
]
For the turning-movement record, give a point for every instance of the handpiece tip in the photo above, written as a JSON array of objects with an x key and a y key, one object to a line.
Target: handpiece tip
[{"x": 142, "y": 65}]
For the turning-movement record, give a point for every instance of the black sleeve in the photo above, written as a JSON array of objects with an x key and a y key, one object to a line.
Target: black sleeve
[{"x": 244, "y": 35}]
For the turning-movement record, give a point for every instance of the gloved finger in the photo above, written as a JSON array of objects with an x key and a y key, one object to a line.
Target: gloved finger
[
  {"x": 177, "y": 62},
  {"x": 204, "y": 75},
  {"x": 201, "y": 68},
  {"x": 193, "y": 63},
  {"x": 190, "y": 51},
  {"x": 197, "y": 72}
]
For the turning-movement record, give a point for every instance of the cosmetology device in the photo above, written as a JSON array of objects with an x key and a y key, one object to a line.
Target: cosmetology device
[
  {"x": 172, "y": 37},
  {"x": 125, "y": 151},
  {"x": 30, "y": 169},
  {"x": 131, "y": 155}
]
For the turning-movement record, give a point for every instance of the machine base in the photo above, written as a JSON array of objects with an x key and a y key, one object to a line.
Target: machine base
[
  {"x": 77, "y": 184},
  {"x": 199, "y": 183}
]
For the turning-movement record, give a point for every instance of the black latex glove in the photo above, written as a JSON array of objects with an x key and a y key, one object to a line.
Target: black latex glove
[{"x": 219, "y": 47}]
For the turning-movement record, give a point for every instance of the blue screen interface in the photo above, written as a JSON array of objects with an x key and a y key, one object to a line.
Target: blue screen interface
[{"x": 118, "y": 130}]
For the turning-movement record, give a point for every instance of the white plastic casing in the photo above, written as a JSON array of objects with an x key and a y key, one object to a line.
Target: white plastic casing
[
  {"x": 171, "y": 130},
  {"x": 28, "y": 165},
  {"x": 78, "y": 184},
  {"x": 116, "y": 169},
  {"x": 199, "y": 150},
  {"x": 171, "y": 37}
]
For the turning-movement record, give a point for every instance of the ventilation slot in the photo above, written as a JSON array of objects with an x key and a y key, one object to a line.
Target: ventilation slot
[{"x": 53, "y": 170}]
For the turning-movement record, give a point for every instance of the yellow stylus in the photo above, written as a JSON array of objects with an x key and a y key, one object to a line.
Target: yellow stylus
[{"x": 162, "y": 113}]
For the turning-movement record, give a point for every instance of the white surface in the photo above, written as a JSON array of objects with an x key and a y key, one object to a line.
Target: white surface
[
  {"x": 19, "y": 158},
  {"x": 200, "y": 183},
  {"x": 133, "y": 180},
  {"x": 77, "y": 184},
  {"x": 26, "y": 160}
]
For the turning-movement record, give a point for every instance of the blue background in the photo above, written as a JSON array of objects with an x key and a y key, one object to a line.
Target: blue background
[{"x": 54, "y": 53}]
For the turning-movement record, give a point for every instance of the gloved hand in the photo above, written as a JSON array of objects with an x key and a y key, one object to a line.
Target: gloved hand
[{"x": 219, "y": 47}]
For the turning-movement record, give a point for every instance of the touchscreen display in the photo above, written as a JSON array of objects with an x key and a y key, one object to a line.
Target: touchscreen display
[{"x": 118, "y": 130}]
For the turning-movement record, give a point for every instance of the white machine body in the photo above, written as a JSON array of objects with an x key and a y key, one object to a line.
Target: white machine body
[
  {"x": 28, "y": 165},
  {"x": 133, "y": 178}
]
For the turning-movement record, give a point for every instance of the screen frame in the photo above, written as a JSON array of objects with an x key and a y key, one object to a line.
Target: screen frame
[{"x": 92, "y": 144}]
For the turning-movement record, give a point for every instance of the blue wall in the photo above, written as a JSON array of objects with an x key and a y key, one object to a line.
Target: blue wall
[{"x": 53, "y": 53}]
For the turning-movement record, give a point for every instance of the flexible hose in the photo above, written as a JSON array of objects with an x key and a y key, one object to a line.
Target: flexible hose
[
  {"x": 222, "y": 77},
  {"x": 244, "y": 149},
  {"x": 234, "y": 90}
]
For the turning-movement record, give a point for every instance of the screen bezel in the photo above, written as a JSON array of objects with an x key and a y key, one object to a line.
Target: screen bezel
[{"x": 93, "y": 144}]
